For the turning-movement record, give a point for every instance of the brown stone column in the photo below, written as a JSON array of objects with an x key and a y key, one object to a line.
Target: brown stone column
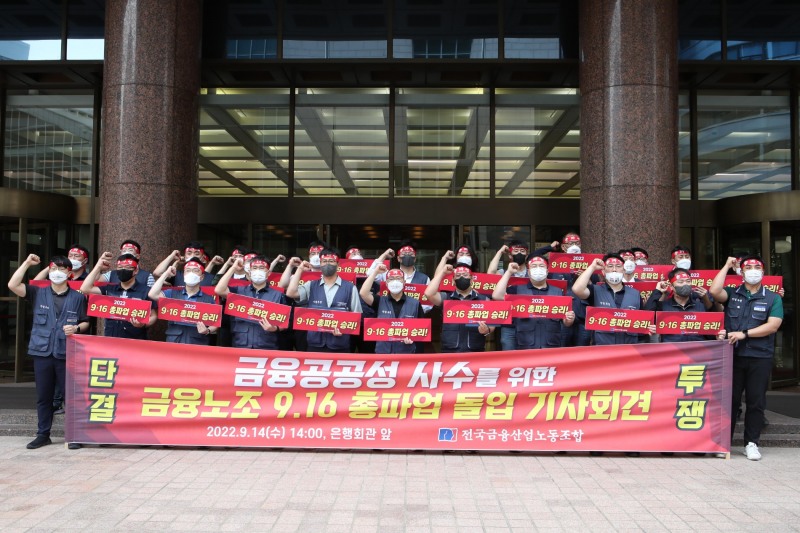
[
  {"x": 151, "y": 82},
  {"x": 629, "y": 98}
]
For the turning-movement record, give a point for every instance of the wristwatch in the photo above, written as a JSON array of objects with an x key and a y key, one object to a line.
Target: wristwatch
[{"x": 746, "y": 335}]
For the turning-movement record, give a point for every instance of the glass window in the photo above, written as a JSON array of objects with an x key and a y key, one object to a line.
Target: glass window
[
  {"x": 48, "y": 143},
  {"x": 445, "y": 29},
  {"x": 486, "y": 240},
  {"x": 743, "y": 143},
  {"x": 329, "y": 30},
  {"x": 85, "y": 29},
  {"x": 289, "y": 240},
  {"x": 342, "y": 142},
  {"x": 763, "y": 30},
  {"x": 684, "y": 147},
  {"x": 244, "y": 142},
  {"x": 541, "y": 29},
  {"x": 442, "y": 142},
  {"x": 783, "y": 263},
  {"x": 240, "y": 29},
  {"x": 699, "y": 29},
  {"x": 537, "y": 143},
  {"x": 31, "y": 30}
]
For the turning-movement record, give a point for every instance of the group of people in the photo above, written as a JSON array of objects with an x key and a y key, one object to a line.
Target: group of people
[{"x": 753, "y": 313}]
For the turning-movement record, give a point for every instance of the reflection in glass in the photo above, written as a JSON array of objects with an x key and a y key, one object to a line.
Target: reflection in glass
[
  {"x": 541, "y": 29},
  {"x": 342, "y": 142},
  {"x": 442, "y": 143},
  {"x": 684, "y": 138},
  {"x": 743, "y": 143},
  {"x": 537, "y": 143},
  {"x": 784, "y": 235},
  {"x": 455, "y": 29},
  {"x": 763, "y": 30},
  {"x": 244, "y": 142},
  {"x": 327, "y": 30},
  {"x": 48, "y": 143},
  {"x": 699, "y": 29},
  {"x": 240, "y": 29},
  {"x": 30, "y": 30}
]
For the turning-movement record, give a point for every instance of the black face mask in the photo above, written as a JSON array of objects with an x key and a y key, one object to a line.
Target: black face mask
[
  {"x": 463, "y": 284},
  {"x": 683, "y": 290},
  {"x": 519, "y": 258},
  {"x": 329, "y": 270},
  {"x": 124, "y": 275},
  {"x": 408, "y": 260}
]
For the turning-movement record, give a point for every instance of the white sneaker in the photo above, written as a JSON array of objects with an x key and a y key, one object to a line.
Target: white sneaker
[{"x": 751, "y": 451}]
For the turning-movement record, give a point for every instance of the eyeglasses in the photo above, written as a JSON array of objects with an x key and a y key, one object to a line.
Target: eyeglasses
[
  {"x": 328, "y": 262},
  {"x": 193, "y": 251}
]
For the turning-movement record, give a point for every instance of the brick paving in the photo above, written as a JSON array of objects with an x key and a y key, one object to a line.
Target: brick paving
[{"x": 157, "y": 489}]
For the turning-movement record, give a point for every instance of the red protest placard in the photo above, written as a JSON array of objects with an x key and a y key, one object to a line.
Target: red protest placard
[
  {"x": 118, "y": 308},
  {"x": 687, "y": 323},
  {"x": 189, "y": 312},
  {"x": 272, "y": 280},
  {"x": 645, "y": 288},
  {"x": 702, "y": 278},
  {"x": 773, "y": 283},
  {"x": 415, "y": 290},
  {"x": 618, "y": 320},
  {"x": 560, "y": 283},
  {"x": 397, "y": 329},
  {"x": 356, "y": 268},
  {"x": 568, "y": 263},
  {"x": 254, "y": 309},
  {"x": 474, "y": 311},
  {"x": 306, "y": 319},
  {"x": 652, "y": 272},
  {"x": 529, "y": 306}
]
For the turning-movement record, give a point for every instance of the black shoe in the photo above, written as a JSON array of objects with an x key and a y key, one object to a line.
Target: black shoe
[
  {"x": 766, "y": 422},
  {"x": 58, "y": 410},
  {"x": 38, "y": 442},
  {"x": 73, "y": 446}
]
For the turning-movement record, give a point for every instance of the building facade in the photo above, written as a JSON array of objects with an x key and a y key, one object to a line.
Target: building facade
[{"x": 271, "y": 123}]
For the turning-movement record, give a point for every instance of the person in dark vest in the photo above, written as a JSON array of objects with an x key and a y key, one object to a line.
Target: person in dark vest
[
  {"x": 534, "y": 332},
  {"x": 261, "y": 335},
  {"x": 458, "y": 337},
  {"x": 678, "y": 294},
  {"x": 184, "y": 332},
  {"x": 192, "y": 250},
  {"x": 133, "y": 248},
  {"x": 330, "y": 292},
  {"x": 58, "y": 312},
  {"x": 753, "y": 315},
  {"x": 515, "y": 251},
  {"x": 396, "y": 305},
  {"x": 129, "y": 286},
  {"x": 612, "y": 294}
]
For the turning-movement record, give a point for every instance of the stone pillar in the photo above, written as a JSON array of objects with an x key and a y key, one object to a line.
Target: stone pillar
[
  {"x": 629, "y": 125},
  {"x": 151, "y": 82}
]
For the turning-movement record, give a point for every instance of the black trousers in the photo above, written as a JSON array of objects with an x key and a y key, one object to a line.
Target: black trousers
[
  {"x": 49, "y": 373},
  {"x": 751, "y": 376}
]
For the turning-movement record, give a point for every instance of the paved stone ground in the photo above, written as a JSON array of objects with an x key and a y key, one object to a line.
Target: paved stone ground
[{"x": 157, "y": 489}]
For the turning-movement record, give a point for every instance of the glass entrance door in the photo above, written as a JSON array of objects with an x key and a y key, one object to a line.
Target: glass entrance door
[{"x": 784, "y": 259}]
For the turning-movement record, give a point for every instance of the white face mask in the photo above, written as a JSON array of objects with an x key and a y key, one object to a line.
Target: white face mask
[
  {"x": 467, "y": 260},
  {"x": 76, "y": 265},
  {"x": 314, "y": 261},
  {"x": 738, "y": 271},
  {"x": 629, "y": 266},
  {"x": 356, "y": 257},
  {"x": 538, "y": 273},
  {"x": 191, "y": 279},
  {"x": 684, "y": 263},
  {"x": 56, "y": 276},
  {"x": 641, "y": 262},
  {"x": 258, "y": 276},
  {"x": 574, "y": 249},
  {"x": 614, "y": 278},
  {"x": 395, "y": 286},
  {"x": 247, "y": 267},
  {"x": 753, "y": 277}
]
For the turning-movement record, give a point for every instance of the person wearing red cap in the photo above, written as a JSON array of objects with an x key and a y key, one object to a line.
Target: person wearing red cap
[
  {"x": 753, "y": 314},
  {"x": 331, "y": 292},
  {"x": 396, "y": 305},
  {"x": 458, "y": 337},
  {"x": 246, "y": 333},
  {"x": 179, "y": 332},
  {"x": 534, "y": 333},
  {"x": 611, "y": 294},
  {"x": 678, "y": 294},
  {"x": 129, "y": 286},
  {"x": 58, "y": 312}
]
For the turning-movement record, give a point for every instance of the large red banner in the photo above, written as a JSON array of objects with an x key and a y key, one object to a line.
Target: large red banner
[{"x": 638, "y": 397}]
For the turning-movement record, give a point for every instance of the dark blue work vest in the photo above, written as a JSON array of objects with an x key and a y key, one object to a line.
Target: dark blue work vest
[
  {"x": 409, "y": 309},
  {"x": 341, "y": 302},
  {"x": 460, "y": 337},
  {"x": 122, "y": 328},
  {"x": 182, "y": 333},
  {"x": 538, "y": 332},
  {"x": 604, "y": 297},
  {"x": 695, "y": 306},
  {"x": 47, "y": 331},
  {"x": 742, "y": 313},
  {"x": 248, "y": 333}
]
